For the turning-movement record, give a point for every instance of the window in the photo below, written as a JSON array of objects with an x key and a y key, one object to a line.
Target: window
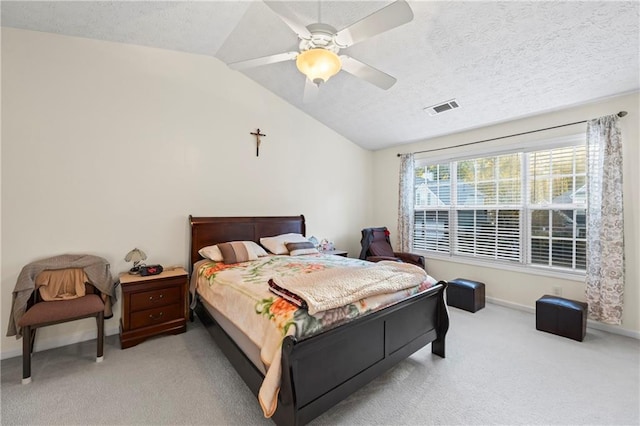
[
  {"x": 526, "y": 207},
  {"x": 556, "y": 207}
]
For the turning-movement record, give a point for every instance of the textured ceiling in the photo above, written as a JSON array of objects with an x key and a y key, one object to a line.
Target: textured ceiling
[{"x": 500, "y": 60}]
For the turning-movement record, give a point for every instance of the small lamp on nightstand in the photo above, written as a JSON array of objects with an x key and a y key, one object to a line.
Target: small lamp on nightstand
[{"x": 136, "y": 256}]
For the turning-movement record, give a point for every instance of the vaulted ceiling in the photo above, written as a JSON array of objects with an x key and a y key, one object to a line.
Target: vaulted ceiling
[{"x": 499, "y": 60}]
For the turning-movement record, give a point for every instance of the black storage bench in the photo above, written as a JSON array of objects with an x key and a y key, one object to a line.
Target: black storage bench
[
  {"x": 564, "y": 317},
  {"x": 465, "y": 294}
]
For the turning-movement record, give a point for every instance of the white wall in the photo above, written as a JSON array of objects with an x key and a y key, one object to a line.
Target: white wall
[
  {"x": 90, "y": 127},
  {"x": 107, "y": 146},
  {"x": 516, "y": 288}
]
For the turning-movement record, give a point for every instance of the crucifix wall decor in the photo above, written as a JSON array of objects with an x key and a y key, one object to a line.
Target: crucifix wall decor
[{"x": 257, "y": 134}]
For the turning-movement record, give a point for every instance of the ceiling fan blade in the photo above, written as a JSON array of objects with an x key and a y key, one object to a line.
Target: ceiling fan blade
[
  {"x": 265, "y": 60},
  {"x": 310, "y": 91},
  {"x": 297, "y": 27},
  {"x": 367, "y": 72},
  {"x": 394, "y": 15}
]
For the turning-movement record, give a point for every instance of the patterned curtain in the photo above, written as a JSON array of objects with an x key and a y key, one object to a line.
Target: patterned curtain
[
  {"x": 405, "y": 203},
  {"x": 605, "y": 230}
]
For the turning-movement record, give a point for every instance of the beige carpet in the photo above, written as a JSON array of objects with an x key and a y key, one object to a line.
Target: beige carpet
[{"x": 498, "y": 370}]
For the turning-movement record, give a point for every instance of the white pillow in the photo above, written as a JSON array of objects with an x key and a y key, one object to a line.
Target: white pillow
[
  {"x": 257, "y": 249},
  {"x": 276, "y": 245},
  {"x": 211, "y": 252},
  {"x": 214, "y": 253}
]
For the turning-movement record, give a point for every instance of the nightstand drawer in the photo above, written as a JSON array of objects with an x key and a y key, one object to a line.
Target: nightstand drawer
[
  {"x": 156, "y": 316},
  {"x": 154, "y": 299}
]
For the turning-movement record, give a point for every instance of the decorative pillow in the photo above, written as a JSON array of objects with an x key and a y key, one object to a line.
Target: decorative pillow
[
  {"x": 276, "y": 245},
  {"x": 236, "y": 252},
  {"x": 296, "y": 249},
  {"x": 213, "y": 252}
]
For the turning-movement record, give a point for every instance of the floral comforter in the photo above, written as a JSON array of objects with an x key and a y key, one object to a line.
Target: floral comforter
[{"x": 240, "y": 292}]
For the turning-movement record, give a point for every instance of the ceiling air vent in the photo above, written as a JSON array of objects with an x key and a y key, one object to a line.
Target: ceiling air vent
[{"x": 442, "y": 107}]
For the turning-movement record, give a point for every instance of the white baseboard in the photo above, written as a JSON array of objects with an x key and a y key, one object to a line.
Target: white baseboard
[
  {"x": 56, "y": 342},
  {"x": 44, "y": 344},
  {"x": 590, "y": 323}
]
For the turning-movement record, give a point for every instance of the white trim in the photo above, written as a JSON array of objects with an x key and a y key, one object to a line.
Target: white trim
[
  {"x": 57, "y": 342},
  {"x": 595, "y": 325},
  {"x": 81, "y": 337},
  {"x": 496, "y": 264},
  {"x": 425, "y": 159}
]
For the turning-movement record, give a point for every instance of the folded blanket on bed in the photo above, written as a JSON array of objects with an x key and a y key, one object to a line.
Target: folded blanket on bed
[{"x": 337, "y": 287}]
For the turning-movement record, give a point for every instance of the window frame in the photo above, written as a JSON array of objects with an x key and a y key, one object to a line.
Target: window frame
[{"x": 525, "y": 208}]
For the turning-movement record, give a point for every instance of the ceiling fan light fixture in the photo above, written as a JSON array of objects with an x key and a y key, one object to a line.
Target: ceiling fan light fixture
[{"x": 319, "y": 65}]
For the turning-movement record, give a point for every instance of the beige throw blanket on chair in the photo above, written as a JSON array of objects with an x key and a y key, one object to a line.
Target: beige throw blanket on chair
[
  {"x": 337, "y": 287},
  {"x": 61, "y": 284}
]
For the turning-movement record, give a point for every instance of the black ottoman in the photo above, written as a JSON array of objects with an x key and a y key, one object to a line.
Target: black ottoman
[
  {"x": 465, "y": 294},
  {"x": 564, "y": 317}
]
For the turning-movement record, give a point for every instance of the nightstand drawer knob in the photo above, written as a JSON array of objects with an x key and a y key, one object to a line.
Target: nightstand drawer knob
[
  {"x": 151, "y": 297},
  {"x": 156, "y": 317}
]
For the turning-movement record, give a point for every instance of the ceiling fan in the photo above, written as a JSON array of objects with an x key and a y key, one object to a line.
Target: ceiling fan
[{"x": 320, "y": 44}]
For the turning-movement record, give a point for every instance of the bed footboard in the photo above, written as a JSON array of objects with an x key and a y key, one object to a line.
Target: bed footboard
[{"x": 320, "y": 371}]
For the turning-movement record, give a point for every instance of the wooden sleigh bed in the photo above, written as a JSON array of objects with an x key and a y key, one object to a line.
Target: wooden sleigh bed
[{"x": 320, "y": 371}]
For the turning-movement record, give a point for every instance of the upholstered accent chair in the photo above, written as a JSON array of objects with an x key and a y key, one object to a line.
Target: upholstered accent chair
[
  {"x": 41, "y": 313},
  {"x": 376, "y": 246}
]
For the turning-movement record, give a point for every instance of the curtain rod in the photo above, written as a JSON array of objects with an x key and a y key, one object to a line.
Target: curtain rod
[{"x": 620, "y": 114}]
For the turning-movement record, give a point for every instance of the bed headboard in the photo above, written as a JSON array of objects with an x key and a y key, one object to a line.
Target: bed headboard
[{"x": 206, "y": 231}]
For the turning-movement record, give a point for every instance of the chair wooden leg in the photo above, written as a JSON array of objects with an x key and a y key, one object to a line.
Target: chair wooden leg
[
  {"x": 33, "y": 338},
  {"x": 26, "y": 355},
  {"x": 100, "y": 321}
]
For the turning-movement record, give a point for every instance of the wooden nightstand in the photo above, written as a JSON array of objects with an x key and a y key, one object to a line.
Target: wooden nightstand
[
  {"x": 153, "y": 305},
  {"x": 342, "y": 253}
]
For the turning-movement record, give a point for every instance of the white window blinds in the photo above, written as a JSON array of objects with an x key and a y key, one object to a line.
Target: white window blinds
[{"x": 526, "y": 207}]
